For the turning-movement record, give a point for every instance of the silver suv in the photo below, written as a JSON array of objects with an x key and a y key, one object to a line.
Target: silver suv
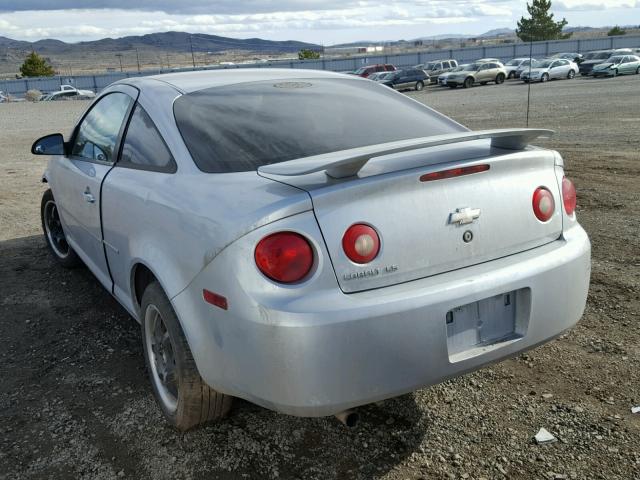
[{"x": 478, "y": 72}]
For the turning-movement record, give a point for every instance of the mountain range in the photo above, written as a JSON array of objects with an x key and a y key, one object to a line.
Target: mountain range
[{"x": 165, "y": 41}]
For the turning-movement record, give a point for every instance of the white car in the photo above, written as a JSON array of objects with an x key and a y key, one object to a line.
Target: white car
[
  {"x": 71, "y": 88},
  {"x": 67, "y": 95},
  {"x": 516, "y": 66},
  {"x": 548, "y": 69}
]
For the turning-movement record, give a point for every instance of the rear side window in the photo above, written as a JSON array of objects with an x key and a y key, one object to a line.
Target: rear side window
[
  {"x": 143, "y": 146},
  {"x": 446, "y": 65},
  {"x": 241, "y": 127}
]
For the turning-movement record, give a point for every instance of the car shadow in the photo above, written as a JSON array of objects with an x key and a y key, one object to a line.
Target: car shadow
[{"x": 74, "y": 376}]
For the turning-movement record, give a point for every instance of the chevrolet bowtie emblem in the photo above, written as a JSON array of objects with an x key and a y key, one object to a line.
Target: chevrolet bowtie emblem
[{"x": 462, "y": 216}]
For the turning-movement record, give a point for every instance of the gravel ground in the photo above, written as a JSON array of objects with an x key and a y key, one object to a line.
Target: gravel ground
[{"x": 75, "y": 401}]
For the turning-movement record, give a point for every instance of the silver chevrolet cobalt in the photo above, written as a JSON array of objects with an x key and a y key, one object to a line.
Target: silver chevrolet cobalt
[{"x": 280, "y": 241}]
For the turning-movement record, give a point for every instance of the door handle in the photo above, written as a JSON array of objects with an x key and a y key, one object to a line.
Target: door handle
[{"x": 88, "y": 196}]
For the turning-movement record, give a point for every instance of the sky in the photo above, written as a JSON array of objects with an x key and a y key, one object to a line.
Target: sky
[{"x": 324, "y": 22}]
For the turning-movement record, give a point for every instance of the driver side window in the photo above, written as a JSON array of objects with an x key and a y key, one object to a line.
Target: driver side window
[{"x": 97, "y": 135}]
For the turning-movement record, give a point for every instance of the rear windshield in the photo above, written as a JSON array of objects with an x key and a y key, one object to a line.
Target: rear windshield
[{"x": 241, "y": 127}]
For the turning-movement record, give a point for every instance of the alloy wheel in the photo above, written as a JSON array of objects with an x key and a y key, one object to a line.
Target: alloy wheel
[
  {"x": 54, "y": 231},
  {"x": 161, "y": 358}
]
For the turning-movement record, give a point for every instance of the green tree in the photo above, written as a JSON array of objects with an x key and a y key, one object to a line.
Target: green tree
[
  {"x": 306, "y": 54},
  {"x": 616, "y": 31},
  {"x": 541, "y": 25},
  {"x": 36, "y": 66}
]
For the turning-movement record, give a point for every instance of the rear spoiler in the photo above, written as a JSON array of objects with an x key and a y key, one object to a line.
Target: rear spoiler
[{"x": 346, "y": 163}]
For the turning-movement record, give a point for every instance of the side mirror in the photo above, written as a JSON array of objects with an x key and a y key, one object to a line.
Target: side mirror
[{"x": 49, "y": 145}]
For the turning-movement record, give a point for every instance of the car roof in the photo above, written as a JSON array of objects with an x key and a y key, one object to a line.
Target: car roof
[{"x": 187, "y": 82}]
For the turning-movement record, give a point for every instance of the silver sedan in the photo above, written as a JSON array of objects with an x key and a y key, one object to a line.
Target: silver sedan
[
  {"x": 549, "y": 69},
  {"x": 280, "y": 241}
]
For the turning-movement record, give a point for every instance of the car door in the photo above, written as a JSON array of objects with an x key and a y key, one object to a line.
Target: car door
[
  {"x": 484, "y": 73},
  {"x": 625, "y": 66},
  {"x": 144, "y": 164},
  {"x": 77, "y": 183}
]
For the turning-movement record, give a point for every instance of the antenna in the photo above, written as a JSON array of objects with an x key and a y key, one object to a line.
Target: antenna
[{"x": 529, "y": 82}]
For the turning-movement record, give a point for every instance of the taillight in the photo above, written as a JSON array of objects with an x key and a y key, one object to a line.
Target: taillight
[
  {"x": 543, "y": 204},
  {"x": 285, "y": 257},
  {"x": 361, "y": 243},
  {"x": 568, "y": 196}
]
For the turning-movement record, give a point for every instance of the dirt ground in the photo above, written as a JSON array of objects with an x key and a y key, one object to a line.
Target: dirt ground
[{"x": 75, "y": 401}]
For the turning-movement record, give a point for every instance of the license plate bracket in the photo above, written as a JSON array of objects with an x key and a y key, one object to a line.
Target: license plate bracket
[{"x": 478, "y": 327}]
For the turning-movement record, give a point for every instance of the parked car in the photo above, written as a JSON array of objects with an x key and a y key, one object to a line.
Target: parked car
[
  {"x": 295, "y": 274},
  {"x": 71, "y": 88},
  {"x": 442, "y": 79},
  {"x": 479, "y": 72},
  {"x": 484, "y": 60},
  {"x": 596, "y": 58},
  {"x": 617, "y": 65},
  {"x": 573, "y": 56},
  {"x": 512, "y": 66},
  {"x": 550, "y": 69},
  {"x": 405, "y": 79},
  {"x": 380, "y": 76},
  {"x": 65, "y": 95},
  {"x": 364, "y": 72},
  {"x": 437, "y": 67}
]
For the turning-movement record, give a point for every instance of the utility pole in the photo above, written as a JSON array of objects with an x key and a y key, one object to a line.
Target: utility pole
[
  {"x": 193, "y": 58},
  {"x": 119, "y": 55},
  {"x": 138, "y": 59}
]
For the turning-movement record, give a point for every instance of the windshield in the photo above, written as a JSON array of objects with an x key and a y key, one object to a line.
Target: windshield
[
  {"x": 512, "y": 63},
  {"x": 384, "y": 76},
  {"x": 603, "y": 55},
  {"x": 472, "y": 67},
  {"x": 237, "y": 128},
  {"x": 615, "y": 59},
  {"x": 461, "y": 68},
  {"x": 432, "y": 66},
  {"x": 360, "y": 71},
  {"x": 542, "y": 64}
]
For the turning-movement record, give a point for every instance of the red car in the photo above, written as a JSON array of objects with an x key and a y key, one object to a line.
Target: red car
[{"x": 367, "y": 70}]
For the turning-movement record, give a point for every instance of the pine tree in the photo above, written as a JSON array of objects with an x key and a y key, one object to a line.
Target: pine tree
[
  {"x": 36, "y": 66},
  {"x": 616, "y": 31},
  {"x": 306, "y": 54},
  {"x": 541, "y": 25}
]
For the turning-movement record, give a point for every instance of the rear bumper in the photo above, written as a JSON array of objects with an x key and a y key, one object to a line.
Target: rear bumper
[{"x": 331, "y": 351}]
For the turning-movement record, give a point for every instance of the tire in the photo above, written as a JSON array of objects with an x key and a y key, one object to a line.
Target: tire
[
  {"x": 54, "y": 234},
  {"x": 615, "y": 72},
  {"x": 638, "y": 71},
  {"x": 544, "y": 77},
  {"x": 483, "y": 83},
  {"x": 468, "y": 82},
  {"x": 571, "y": 74},
  {"x": 184, "y": 398},
  {"x": 511, "y": 75},
  {"x": 499, "y": 78},
  {"x": 419, "y": 86}
]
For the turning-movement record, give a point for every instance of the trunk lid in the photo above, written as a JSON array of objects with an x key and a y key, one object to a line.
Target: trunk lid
[{"x": 413, "y": 218}]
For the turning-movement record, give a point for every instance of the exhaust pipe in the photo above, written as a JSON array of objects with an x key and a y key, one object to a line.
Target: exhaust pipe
[{"x": 349, "y": 418}]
